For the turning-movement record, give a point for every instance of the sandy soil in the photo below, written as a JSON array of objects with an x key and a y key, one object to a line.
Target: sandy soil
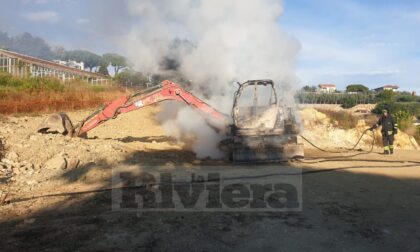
[{"x": 350, "y": 201}]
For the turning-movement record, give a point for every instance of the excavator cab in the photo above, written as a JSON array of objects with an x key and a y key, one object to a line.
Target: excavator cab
[{"x": 263, "y": 130}]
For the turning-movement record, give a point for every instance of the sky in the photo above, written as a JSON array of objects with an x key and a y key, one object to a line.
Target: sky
[{"x": 370, "y": 42}]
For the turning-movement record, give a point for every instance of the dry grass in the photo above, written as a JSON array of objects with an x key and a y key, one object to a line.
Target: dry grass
[
  {"x": 343, "y": 119},
  {"x": 370, "y": 119},
  {"x": 50, "y": 101},
  {"x": 72, "y": 96}
]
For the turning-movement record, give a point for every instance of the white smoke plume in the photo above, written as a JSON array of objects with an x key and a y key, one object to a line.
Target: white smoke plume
[{"x": 234, "y": 40}]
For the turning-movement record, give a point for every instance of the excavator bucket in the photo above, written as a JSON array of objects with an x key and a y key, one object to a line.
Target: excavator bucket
[{"x": 57, "y": 123}]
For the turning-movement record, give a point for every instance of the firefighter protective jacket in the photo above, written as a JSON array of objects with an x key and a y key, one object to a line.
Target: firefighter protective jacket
[{"x": 388, "y": 124}]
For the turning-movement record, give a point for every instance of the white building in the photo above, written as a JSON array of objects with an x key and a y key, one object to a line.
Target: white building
[
  {"x": 327, "y": 88},
  {"x": 71, "y": 63},
  {"x": 387, "y": 87}
]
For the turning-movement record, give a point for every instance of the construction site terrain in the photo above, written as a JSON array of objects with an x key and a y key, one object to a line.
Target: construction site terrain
[{"x": 351, "y": 201}]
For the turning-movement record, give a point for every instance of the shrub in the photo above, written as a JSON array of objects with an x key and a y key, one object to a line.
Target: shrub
[
  {"x": 344, "y": 119},
  {"x": 9, "y": 82},
  {"x": 417, "y": 134},
  {"x": 411, "y": 107},
  {"x": 406, "y": 98},
  {"x": 404, "y": 119},
  {"x": 386, "y": 96},
  {"x": 348, "y": 102},
  {"x": 357, "y": 88}
]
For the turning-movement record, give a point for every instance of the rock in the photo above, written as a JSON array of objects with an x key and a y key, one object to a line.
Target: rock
[
  {"x": 312, "y": 117},
  {"x": 33, "y": 138},
  {"x": 12, "y": 155},
  {"x": 414, "y": 143},
  {"x": 26, "y": 168},
  {"x": 7, "y": 161},
  {"x": 361, "y": 124},
  {"x": 13, "y": 120},
  {"x": 31, "y": 182},
  {"x": 72, "y": 163},
  {"x": 7, "y": 166},
  {"x": 404, "y": 141},
  {"x": 56, "y": 162}
]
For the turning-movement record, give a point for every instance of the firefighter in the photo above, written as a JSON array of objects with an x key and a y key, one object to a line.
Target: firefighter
[{"x": 389, "y": 129}]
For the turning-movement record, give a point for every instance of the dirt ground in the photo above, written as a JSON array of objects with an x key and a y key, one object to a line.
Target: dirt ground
[{"x": 350, "y": 202}]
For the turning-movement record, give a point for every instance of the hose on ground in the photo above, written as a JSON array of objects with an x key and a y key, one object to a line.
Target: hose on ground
[
  {"x": 303, "y": 173},
  {"x": 347, "y": 149}
]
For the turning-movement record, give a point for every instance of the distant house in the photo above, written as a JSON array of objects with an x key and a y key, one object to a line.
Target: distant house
[
  {"x": 387, "y": 87},
  {"x": 71, "y": 63},
  {"x": 327, "y": 88}
]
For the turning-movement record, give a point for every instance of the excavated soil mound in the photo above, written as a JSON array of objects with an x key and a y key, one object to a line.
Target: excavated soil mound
[{"x": 320, "y": 129}]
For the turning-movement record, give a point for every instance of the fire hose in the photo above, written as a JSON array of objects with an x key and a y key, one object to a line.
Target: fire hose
[
  {"x": 303, "y": 173},
  {"x": 347, "y": 149}
]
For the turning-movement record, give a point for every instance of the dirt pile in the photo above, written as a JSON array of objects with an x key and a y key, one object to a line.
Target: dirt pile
[
  {"x": 322, "y": 131},
  {"x": 33, "y": 158}
]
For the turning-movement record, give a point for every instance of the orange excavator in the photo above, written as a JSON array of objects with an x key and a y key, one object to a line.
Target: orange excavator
[{"x": 261, "y": 129}]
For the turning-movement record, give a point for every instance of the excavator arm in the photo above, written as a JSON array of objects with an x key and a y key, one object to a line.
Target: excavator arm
[{"x": 167, "y": 90}]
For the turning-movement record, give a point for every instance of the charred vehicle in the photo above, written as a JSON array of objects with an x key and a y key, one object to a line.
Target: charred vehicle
[{"x": 261, "y": 128}]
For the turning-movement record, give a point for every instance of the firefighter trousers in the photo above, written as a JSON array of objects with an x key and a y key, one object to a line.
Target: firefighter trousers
[{"x": 388, "y": 141}]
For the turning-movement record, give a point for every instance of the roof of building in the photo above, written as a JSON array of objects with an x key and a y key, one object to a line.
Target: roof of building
[
  {"x": 391, "y": 86},
  {"x": 50, "y": 64},
  {"x": 327, "y": 85}
]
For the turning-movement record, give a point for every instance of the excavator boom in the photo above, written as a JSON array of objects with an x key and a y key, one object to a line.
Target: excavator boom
[{"x": 167, "y": 90}]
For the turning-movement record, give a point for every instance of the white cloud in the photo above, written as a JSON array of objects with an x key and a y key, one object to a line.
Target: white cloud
[{"x": 42, "y": 16}]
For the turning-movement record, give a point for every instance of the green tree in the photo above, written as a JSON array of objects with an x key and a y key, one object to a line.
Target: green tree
[
  {"x": 117, "y": 61},
  {"x": 386, "y": 96},
  {"x": 91, "y": 60},
  {"x": 133, "y": 77},
  {"x": 348, "y": 102},
  {"x": 357, "y": 88},
  {"x": 103, "y": 69},
  {"x": 405, "y": 97},
  {"x": 404, "y": 119},
  {"x": 308, "y": 88}
]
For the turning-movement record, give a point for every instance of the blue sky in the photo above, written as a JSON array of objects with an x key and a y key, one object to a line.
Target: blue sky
[{"x": 370, "y": 42}]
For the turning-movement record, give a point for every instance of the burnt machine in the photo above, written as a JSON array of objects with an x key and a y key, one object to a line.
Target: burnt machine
[{"x": 261, "y": 129}]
